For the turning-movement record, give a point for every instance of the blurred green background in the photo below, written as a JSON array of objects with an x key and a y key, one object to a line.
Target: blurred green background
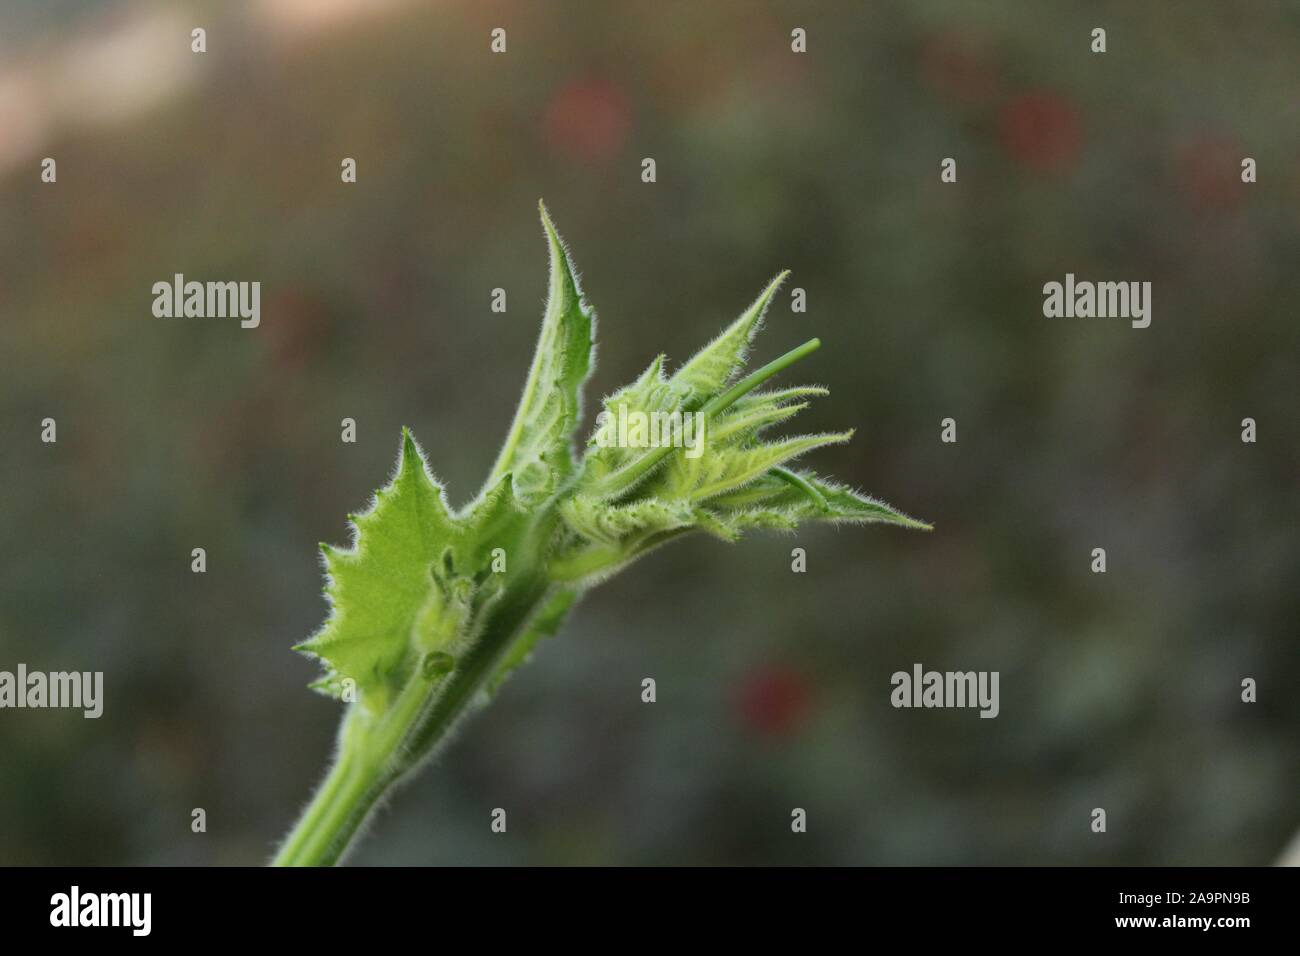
[{"x": 1118, "y": 691}]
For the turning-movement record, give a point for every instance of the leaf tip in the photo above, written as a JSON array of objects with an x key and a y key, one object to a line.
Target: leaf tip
[
  {"x": 547, "y": 223},
  {"x": 760, "y": 306},
  {"x": 410, "y": 451}
]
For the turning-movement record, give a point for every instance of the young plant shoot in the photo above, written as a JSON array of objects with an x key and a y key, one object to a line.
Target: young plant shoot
[{"x": 432, "y": 608}]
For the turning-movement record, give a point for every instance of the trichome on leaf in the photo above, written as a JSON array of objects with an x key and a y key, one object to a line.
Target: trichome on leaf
[{"x": 432, "y": 607}]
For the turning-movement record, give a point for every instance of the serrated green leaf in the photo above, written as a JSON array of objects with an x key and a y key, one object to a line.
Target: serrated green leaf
[{"x": 379, "y": 588}]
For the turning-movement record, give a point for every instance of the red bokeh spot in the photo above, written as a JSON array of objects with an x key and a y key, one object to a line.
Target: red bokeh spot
[
  {"x": 1041, "y": 131},
  {"x": 587, "y": 121},
  {"x": 773, "y": 701}
]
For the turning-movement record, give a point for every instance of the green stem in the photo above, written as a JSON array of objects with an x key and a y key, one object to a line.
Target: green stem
[
  {"x": 335, "y": 815},
  {"x": 758, "y": 377},
  {"x": 376, "y": 752},
  {"x": 790, "y": 478}
]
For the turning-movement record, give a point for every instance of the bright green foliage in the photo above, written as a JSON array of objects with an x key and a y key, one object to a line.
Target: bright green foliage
[
  {"x": 412, "y": 585},
  {"x": 432, "y": 609},
  {"x": 542, "y": 432},
  {"x": 718, "y": 362},
  {"x": 383, "y": 592}
]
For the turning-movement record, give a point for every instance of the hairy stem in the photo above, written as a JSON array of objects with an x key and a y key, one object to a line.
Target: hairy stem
[
  {"x": 375, "y": 753},
  {"x": 336, "y": 813}
]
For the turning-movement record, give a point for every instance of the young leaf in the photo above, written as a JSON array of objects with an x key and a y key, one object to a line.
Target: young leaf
[
  {"x": 715, "y": 365},
  {"x": 730, "y": 468},
  {"x": 822, "y": 501},
  {"x": 552, "y": 400},
  {"x": 613, "y": 524},
  {"x": 378, "y": 588}
]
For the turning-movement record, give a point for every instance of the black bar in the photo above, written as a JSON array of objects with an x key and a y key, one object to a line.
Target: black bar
[{"x": 361, "y": 905}]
